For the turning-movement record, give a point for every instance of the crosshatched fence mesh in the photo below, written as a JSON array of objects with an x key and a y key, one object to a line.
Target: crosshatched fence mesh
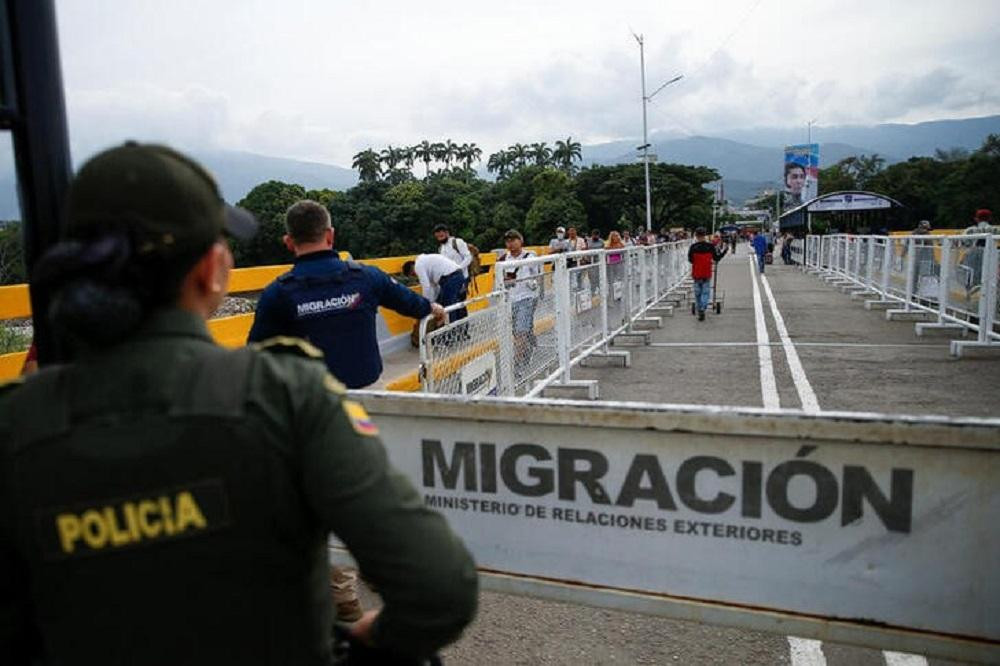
[
  {"x": 470, "y": 356},
  {"x": 898, "y": 259},
  {"x": 586, "y": 300},
  {"x": 878, "y": 262},
  {"x": 545, "y": 314},
  {"x": 531, "y": 291}
]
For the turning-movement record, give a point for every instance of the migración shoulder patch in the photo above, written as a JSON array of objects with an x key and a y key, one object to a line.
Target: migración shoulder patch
[
  {"x": 284, "y": 344},
  {"x": 359, "y": 418}
]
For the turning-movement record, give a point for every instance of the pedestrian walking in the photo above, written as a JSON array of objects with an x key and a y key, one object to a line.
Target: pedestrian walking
[
  {"x": 703, "y": 256},
  {"x": 758, "y": 241},
  {"x": 332, "y": 303},
  {"x": 165, "y": 500}
]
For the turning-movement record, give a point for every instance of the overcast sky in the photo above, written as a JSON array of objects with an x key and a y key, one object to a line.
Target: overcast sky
[{"x": 322, "y": 79}]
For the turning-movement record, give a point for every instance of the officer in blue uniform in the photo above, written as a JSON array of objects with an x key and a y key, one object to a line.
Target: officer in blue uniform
[{"x": 332, "y": 303}]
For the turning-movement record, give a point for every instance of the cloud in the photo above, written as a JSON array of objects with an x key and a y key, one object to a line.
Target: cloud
[{"x": 192, "y": 117}]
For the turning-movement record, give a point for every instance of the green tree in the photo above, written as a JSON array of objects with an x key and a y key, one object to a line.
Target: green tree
[
  {"x": 268, "y": 202},
  {"x": 541, "y": 153},
  {"x": 566, "y": 152},
  {"x": 368, "y": 165},
  {"x": 425, "y": 151}
]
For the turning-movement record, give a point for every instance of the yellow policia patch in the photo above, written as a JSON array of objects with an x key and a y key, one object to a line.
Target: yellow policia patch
[
  {"x": 112, "y": 525},
  {"x": 359, "y": 418}
]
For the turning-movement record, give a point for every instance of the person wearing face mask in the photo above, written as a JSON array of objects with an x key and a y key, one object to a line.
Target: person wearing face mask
[{"x": 560, "y": 243}]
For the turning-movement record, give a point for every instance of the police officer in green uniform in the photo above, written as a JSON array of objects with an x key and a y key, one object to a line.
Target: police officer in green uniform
[{"x": 164, "y": 500}]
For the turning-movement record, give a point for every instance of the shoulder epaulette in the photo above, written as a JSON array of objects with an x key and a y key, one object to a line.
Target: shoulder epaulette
[
  {"x": 284, "y": 344},
  {"x": 353, "y": 265},
  {"x": 285, "y": 277}
]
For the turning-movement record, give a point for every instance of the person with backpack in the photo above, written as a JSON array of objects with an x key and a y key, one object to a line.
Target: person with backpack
[
  {"x": 703, "y": 257},
  {"x": 466, "y": 255},
  {"x": 332, "y": 303}
]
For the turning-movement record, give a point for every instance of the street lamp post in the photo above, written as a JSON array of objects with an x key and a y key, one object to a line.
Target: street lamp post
[{"x": 645, "y": 139}]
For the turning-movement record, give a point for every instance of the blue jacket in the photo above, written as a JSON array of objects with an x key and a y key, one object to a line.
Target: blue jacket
[
  {"x": 760, "y": 244},
  {"x": 333, "y": 304}
]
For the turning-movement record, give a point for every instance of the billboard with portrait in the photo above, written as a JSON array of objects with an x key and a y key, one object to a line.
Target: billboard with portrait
[{"x": 801, "y": 174}]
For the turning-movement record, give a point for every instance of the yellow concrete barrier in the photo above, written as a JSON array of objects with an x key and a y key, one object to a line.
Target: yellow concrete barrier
[
  {"x": 11, "y": 364},
  {"x": 15, "y": 302}
]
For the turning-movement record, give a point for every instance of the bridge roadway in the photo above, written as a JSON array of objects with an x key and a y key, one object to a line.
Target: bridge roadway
[{"x": 848, "y": 358}]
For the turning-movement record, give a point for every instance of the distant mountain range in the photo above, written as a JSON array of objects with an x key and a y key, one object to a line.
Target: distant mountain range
[
  {"x": 748, "y": 159},
  {"x": 751, "y": 159}
]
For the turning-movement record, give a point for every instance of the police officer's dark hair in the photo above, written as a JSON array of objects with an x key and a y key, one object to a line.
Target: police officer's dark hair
[
  {"x": 408, "y": 267},
  {"x": 307, "y": 221},
  {"x": 101, "y": 288},
  {"x": 442, "y": 227}
]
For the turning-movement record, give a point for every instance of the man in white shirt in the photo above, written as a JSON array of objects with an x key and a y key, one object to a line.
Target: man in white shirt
[
  {"x": 453, "y": 248},
  {"x": 441, "y": 281},
  {"x": 524, "y": 283}
]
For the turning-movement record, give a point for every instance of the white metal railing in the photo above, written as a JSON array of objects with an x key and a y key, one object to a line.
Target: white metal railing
[
  {"x": 545, "y": 315},
  {"x": 955, "y": 278}
]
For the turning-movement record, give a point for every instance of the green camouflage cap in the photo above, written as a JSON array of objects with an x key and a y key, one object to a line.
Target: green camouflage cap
[{"x": 168, "y": 201}]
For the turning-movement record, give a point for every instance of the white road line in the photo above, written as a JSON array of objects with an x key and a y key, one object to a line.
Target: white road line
[
  {"x": 768, "y": 386},
  {"x": 903, "y": 659},
  {"x": 863, "y": 345},
  {"x": 805, "y": 652},
  {"x": 806, "y": 394}
]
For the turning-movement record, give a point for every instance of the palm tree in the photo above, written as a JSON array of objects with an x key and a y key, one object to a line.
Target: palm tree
[
  {"x": 439, "y": 151},
  {"x": 367, "y": 164},
  {"x": 566, "y": 152},
  {"x": 519, "y": 152},
  {"x": 391, "y": 157},
  {"x": 409, "y": 155},
  {"x": 541, "y": 153},
  {"x": 425, "y": 152},
  {"x": 469, "y": 153},
  {"x": 500, "y": 163},
  {"x": 449, "y": 151}
]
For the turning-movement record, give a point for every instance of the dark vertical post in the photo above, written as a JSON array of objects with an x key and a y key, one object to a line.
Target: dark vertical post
[{"x": 33, "y": 97}]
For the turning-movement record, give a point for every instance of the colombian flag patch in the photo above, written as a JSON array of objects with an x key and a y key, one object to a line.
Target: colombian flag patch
[{"x": 359, "y": 418}]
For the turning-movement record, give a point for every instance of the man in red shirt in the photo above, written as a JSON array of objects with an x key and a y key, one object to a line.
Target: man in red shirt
[{"x": 703, "y": 255}]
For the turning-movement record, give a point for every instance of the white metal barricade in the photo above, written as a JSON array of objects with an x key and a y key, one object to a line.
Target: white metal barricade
[
  {"x": 547, "y": 314},
  {"x": 955, "y": 278}
]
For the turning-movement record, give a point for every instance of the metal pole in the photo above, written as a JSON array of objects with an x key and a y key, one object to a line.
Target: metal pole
[
  {"x": 944, "y": 281},
  {"x": 35, "y": 112},
  {"x": 645, "y": 138},
  {"x": 563, "y": 305}
]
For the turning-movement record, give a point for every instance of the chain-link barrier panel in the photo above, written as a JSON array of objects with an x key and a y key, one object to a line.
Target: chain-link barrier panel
[
  {"x": 471, "y": 356},
  {"x": 586, "y": 303},
  {"x": 898, "y": 261},
  {"x": 879, "y": 263},
  {"x": 545, "y": 314},
  {"x": 617, "y": 287},
  {"x": 531, "y": 291},
  {"x": 963, "y": 271},
  {"x": 926, "y": 269}
]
